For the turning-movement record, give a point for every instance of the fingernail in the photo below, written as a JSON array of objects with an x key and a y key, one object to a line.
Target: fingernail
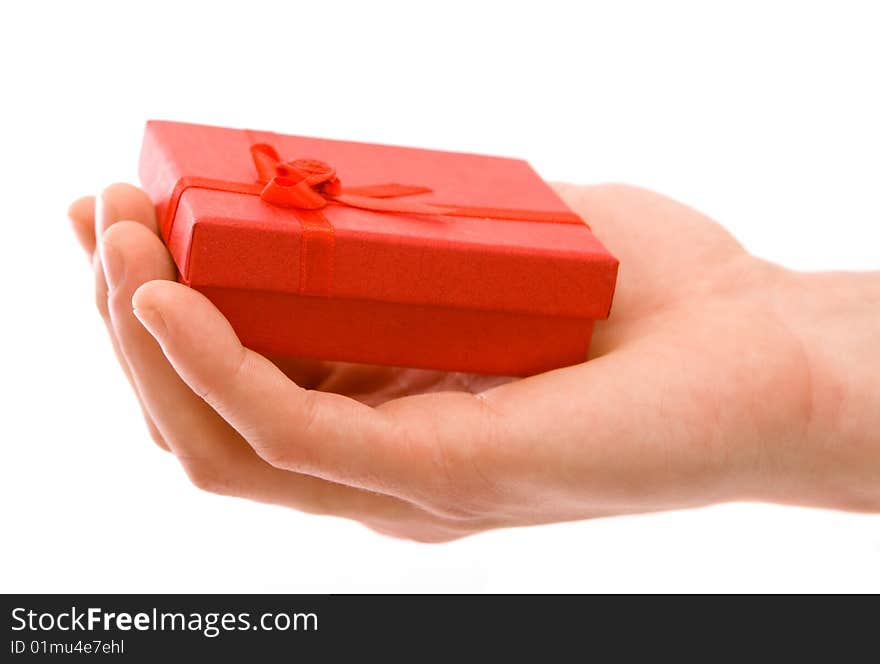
[
  {"x": 153, "y": 321},
  {"x": 114, "y": 264}
]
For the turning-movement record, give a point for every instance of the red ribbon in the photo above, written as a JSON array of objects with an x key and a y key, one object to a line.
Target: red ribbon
[{"x": 309, "y": 185}]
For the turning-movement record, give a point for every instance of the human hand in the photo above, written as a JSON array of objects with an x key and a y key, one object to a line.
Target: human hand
[{"x": 717, "y": 377}]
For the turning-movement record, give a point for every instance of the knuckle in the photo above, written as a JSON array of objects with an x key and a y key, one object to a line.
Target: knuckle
[
  {"x": 282, "y": 451},
  {"x": 460, "y": 506},
  {"x": 155, "y": 436},
  {"x": 433, "y": 538},
  {"x": 621, "y": 188},
  {"x": 463, "y": 489},
  {"x": 209, "y": 391},
  {"x": 277, "y": 452},
  {"x": 611, "y": 193},
  {"x": 309, "y": 414},
  {"x": 275, "y": 455},
  {"x": 418, "y": 534},
  {"x": 207, "y": 477}
]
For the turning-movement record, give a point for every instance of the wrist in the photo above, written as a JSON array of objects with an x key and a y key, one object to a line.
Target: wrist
[{"x": 831, "y": 458}]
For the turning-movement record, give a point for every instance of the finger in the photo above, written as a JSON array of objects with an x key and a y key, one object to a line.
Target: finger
[
  {"x": 101, "y": 301},
  {"x": 123, "y": 201},
  {"x": 132, "y": 255},
  {"x": 214, "y": 455},
  {"x": 318, "y": 433},
  {"x": 82, "y": 217}
]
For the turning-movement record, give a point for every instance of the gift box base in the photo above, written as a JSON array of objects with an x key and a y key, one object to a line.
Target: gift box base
[{"x": 501, "y": 343}]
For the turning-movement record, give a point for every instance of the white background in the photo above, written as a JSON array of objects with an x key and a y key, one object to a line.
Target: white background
[{"x": 763, "y": 115}]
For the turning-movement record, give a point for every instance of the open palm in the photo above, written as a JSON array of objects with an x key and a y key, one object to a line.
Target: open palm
[
  {"x": 646, "y": 230},
  {"x": 689, "y": 377}
]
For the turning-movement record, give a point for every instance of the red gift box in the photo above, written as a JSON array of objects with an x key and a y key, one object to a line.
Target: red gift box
[{"x": 371, "y": 253}]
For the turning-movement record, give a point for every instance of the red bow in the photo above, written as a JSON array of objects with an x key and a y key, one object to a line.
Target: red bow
[{"x": 309, "y": 185}]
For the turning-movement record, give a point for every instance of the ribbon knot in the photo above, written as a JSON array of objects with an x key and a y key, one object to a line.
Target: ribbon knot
[
  {"x": 310, "y": 184},
  {"x": 298, "y": 183}
]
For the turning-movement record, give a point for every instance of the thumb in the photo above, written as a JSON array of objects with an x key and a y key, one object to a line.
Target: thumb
[{"x": 318, "y": 433}]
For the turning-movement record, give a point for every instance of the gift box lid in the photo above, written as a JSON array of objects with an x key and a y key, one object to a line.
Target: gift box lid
[{"x": 232, "y": 237}]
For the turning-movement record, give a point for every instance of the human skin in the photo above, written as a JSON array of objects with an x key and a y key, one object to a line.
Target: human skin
[{"x": 718, "y": 377}]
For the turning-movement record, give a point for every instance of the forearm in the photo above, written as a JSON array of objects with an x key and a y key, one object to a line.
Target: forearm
[{"x": 836, "y": 463}]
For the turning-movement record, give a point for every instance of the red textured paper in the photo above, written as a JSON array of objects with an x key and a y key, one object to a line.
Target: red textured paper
[{"x": 468, "y": 294}]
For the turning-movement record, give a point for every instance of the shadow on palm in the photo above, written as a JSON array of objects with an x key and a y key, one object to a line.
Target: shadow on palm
[{"x": 662, "y": 245}]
